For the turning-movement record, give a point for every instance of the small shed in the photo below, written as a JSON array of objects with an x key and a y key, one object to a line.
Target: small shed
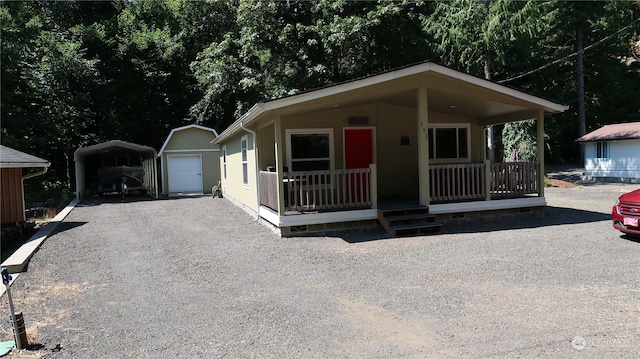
[
  {"x": 189, "y": 163},
  {"x": 612, "y": 153},
  {"x": 15, "y": 167},
  {"x": 89, "y": 160}
]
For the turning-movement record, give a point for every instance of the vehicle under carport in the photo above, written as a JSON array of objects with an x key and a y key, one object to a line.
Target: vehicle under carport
[{"x": 113, "y": 155}]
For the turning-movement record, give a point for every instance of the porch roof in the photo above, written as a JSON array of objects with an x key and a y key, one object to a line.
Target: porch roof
[{"x": 449, "y": 91}]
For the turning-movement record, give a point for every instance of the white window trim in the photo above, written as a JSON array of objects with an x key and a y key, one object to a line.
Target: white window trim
[
  {"x": 607, "y": 155},
  {"x": 244, "y": 146},
  {"x": 310, "y": 131},
  {"x": 224, "y": 162},
  {"x": 466, "y": 159}
]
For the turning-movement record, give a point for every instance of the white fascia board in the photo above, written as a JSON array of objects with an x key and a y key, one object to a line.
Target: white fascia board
[
  {"x": 244, "y": 120},
  {"x": 25, "y": 165},
  {"x": 164, "y": 145}
]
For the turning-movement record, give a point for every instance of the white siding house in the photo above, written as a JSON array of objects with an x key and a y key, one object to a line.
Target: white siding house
[{"x": 612, "y": 153}]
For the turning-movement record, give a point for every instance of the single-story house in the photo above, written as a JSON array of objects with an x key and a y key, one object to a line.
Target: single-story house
[
  {"x": 115, "y": 159},
  {"x": 189, "y": 162},
  {"x": 612, "y": 153},
  {"x": 15, "y": 167},
  {"x": 336, "y": 157}
]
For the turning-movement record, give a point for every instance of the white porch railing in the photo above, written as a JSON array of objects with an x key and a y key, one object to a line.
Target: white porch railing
[
  {"x": 457, "y": 182},
  {"x": 348, "y": 189},
  {"x": 318, "y": 190},
  {"x": 463, "y": 182}
]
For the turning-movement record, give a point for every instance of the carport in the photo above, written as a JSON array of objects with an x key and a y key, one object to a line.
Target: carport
[{"x": 114, "y": 153}]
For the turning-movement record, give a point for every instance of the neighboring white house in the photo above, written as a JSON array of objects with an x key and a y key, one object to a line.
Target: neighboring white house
[{"x": 612, "y": 153}]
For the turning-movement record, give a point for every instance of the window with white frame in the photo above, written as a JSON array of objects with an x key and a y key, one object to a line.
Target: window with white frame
[
  {"x": 245, "y": 164},
  {"x": 602, "y": 150},
  {"x": 310, "y": 149},
  {"x": 224, "y": 162},
  {"x": 449, "y": 141}
]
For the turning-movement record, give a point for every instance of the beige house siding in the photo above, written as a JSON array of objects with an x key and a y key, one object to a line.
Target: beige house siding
[
  {"x": 390, "y": 123},
  {"x": 394, "y": 160},
  {"x": 192, "y": 141},
  {"x": 233, "y": 185}
]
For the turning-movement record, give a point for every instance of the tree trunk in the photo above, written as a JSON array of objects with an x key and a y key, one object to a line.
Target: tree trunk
[{"x": 582, "y": 123}]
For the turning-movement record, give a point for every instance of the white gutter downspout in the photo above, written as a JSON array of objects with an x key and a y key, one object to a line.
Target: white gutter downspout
[
  {"x": 255, "y": 160},
  {"x": 35, "y": 174},
  {"x": 31, "y": 175}
]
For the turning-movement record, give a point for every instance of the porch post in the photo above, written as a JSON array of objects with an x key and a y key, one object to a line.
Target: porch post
[
  {"x": 278, "y": 148},
  {"x": 423, "y": 147},
  {"x": 374, "y": 185},
  {"x": 540, "y": 149}
]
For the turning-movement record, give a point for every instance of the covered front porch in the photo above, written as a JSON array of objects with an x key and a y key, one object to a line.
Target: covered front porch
[
  {"x": 315, "y": 197},
  {"x": 413, "y": 135}
]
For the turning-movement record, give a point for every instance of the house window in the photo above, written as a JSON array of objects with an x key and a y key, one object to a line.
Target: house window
[
  {"x": 224, "y": 162},
  {"x": 310, "y": 149},
  {"x": 602, "y": 150},
  {"x": 450, "y": 141},
  {"x": 245, "y": 165}
]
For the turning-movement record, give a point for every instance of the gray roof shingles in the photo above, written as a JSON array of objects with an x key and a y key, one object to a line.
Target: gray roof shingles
[{"x": 14, "y": 158}]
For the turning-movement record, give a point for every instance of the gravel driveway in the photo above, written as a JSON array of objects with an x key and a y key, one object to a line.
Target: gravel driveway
[{"x": 198, "y": 278}]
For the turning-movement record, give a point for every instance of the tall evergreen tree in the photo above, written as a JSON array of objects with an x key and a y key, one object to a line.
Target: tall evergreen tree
[
  {"x": 479, "y": 37},
  {"x": 277, "y": 48}
]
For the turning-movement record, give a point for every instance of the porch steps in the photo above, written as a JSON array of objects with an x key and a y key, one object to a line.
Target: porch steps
[{"x": 408, "y": 221}]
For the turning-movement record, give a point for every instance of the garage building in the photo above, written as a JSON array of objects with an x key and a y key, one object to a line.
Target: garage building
[{"x": 190, "y": 164}]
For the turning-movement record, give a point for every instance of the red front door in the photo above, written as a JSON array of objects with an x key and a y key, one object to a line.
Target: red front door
[{"x": 358, "y": 153}]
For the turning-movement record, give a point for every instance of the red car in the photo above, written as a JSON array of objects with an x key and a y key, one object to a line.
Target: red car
[{"x": 626, "y": 213}]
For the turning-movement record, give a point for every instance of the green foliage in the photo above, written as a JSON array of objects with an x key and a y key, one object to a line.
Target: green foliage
[
  {"x": 481, "y": 37},
  {"x": 275, "y": 49},
  {"x": 519, "y": 141},
  {"x": 75, "y": 73}
]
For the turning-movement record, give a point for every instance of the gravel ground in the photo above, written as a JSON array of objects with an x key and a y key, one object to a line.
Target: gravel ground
[{"x": 198, "y": 278}]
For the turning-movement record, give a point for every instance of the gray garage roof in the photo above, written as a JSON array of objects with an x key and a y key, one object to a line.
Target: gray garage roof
[{"x": 10, "y": 158}]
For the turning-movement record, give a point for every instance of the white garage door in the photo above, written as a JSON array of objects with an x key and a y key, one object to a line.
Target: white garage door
[{"x": 185, "y": 174}]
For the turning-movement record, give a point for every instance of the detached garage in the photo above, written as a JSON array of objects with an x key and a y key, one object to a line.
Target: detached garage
[{"x": 189, "y": 163}]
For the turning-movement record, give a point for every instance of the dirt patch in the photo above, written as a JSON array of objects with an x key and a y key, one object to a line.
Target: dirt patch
[{"x": 561, "y": 184}]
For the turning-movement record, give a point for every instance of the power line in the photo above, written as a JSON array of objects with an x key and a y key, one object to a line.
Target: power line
[{"x": 570, "y": 55}]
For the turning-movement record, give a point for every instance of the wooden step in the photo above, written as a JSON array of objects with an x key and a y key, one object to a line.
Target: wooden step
[
  {"x": 408, "y": 221},
  {"x": 404, "y": 217}
]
